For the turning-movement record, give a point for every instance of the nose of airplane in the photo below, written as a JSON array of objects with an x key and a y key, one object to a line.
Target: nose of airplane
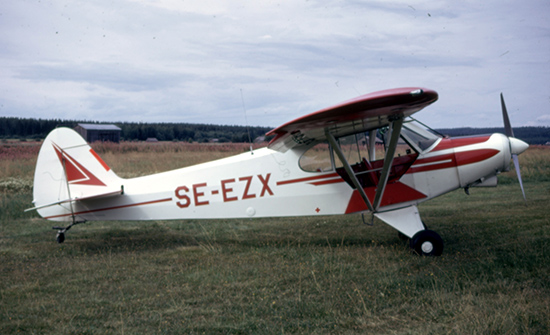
[{"x": 517, "y": 146}]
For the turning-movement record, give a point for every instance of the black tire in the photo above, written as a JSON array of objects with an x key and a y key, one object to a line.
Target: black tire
[
  {"x": 427, "y": 243},
  {"x": 60, "y": 237}
]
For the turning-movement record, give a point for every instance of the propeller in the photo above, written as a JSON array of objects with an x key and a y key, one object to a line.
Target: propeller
[{"x": 516, "y": 146}]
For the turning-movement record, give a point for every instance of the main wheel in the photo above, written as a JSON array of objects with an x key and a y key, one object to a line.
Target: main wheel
[
  {"x": 427, "y": 243},
  {"x": 60, "y": 237}
]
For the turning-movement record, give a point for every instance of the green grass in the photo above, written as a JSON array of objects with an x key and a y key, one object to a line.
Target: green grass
[
  {"x": 328, "y": 275},
  {"x": 294, "y": 275}
]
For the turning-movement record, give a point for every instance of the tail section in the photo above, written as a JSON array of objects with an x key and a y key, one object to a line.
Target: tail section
[{"x": 69, "y": 170}]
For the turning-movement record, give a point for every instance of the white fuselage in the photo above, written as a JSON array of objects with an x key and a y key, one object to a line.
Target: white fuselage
[{"x": 268, "y": 183}]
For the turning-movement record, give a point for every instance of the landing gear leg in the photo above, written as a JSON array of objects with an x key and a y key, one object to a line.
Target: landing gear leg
[
  {"x": 427, "y": 243},
  {"x": 407, "y": 221},
  {"x": 60, "y": 238},
  {"x": 405, "y": 238}
]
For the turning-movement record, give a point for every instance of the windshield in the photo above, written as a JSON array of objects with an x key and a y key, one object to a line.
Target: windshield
[{"x": 417, "y": 135}]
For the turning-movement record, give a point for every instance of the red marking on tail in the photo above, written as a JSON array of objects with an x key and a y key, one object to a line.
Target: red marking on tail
[
  {"x": 76, "y": 173},
  {"x": 105, "y": 166}
]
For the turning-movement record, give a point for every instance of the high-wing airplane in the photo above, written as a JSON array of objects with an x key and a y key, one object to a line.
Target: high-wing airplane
[{"x": 365, "y": 155}]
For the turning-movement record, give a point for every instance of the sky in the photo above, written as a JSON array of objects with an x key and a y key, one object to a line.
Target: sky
[{"x": 264, "y": 63}]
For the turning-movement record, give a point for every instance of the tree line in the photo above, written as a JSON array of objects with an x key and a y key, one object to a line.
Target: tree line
[
  {"x": 531, "y": 135},
  {"x": 37, "y": 129}
]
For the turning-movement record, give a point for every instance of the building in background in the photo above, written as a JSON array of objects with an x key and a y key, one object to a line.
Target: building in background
[{"x": 99, "y": 132}]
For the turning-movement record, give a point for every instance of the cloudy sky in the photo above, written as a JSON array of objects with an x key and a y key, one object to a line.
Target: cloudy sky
[{"x": 198, "y": 61}]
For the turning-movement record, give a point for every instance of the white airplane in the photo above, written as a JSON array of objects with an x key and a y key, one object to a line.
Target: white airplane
[{"x": 365, "y": 155}]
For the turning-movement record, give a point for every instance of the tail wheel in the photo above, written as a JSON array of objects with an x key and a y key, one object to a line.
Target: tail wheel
[{"x": 427, "y": 243}]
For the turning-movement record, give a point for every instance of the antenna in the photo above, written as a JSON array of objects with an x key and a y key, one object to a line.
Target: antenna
[{"x": 246, "y": 122}]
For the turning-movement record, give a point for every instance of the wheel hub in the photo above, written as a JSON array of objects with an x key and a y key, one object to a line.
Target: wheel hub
[
  {"x": 427, "y": 247},
  {"x": 427, "y": 243}
]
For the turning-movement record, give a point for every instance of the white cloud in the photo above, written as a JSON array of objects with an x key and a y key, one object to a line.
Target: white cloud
[{"x": 184, "y": 61}]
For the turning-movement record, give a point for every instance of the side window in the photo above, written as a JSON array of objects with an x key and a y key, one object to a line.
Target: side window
[
  {"x": 402, "y": 149},
  {"x": 354, "y": 148},
  {"x": 317, "y": 158}
]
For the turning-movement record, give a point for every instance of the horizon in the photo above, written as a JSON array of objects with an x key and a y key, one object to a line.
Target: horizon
[{"x": 227, "y": 125}]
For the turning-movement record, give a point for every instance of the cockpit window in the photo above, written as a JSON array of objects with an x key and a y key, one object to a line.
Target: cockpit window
[
  {"x": 317, "y": 158},
  {"x": 417, "y": 135}
]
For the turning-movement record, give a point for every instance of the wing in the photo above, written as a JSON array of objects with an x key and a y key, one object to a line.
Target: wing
[{"x": 366, "y": 112}]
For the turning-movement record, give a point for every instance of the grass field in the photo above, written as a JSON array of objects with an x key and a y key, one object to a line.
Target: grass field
[{"x": 329, "y": 275}]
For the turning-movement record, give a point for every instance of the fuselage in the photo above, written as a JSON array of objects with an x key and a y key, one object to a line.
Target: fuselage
[{"x": 268, "y": 183}]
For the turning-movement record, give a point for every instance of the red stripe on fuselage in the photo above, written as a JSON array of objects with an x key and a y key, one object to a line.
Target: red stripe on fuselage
[
  {"x": 300, "y": 180},
  {"x": 444, "y": 161},
  {"x": 450, "y": 143},
  {"x": 474, "y": 156},
  {"x": 451, "y": 160},
  {"x": 330, "y": 181}
]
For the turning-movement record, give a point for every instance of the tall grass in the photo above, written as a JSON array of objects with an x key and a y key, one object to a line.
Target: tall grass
[
  {"x": 132, "y": 159},
  {"x": 322, "y": 275},
  {"x": 537, "y": 164},
  {"x": 17, "y": 159}
]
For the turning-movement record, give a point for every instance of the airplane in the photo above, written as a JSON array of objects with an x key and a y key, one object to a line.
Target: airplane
[{"x": 367, "y": 155}]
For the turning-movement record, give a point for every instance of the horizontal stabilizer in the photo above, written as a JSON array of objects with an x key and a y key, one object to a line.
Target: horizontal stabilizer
[{"x": 88, "y": 197}]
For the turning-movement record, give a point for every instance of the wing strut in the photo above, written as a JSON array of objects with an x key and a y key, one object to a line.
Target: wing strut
[
  {"x": 372, "y": 145},
  {"x": 395, "y": 131},
  {"x": 332, "y": 141}
]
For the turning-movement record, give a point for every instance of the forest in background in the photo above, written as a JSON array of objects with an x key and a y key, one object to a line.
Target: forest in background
[{"x": 37, "y": 129}]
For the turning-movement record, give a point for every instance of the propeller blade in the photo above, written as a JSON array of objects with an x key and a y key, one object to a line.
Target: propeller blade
[
  {"x": 516, "y": 146},
  {"x": 507, "y": 127},
  {"x": 518, "y": 172}
]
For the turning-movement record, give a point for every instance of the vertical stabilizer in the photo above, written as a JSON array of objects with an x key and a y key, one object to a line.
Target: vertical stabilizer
[{"x": 68, "y": 169}]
